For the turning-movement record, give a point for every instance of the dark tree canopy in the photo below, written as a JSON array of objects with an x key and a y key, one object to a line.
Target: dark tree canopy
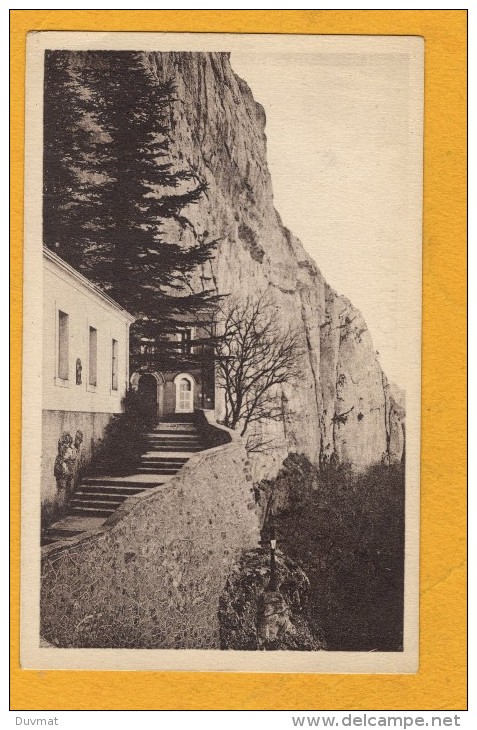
[{"x": 116, "y": 202}]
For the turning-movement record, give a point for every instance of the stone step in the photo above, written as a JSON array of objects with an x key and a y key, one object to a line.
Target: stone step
[
  {"x": 178, "y": 450},
  {"x": 107, "y": 484},
  {"x": 157, "y": 464},
  {"x": 175, "y": 431},
  {"x": 51, "y": 535},
  {"x": 103, "y": 481},
  {"x": 154, "y": 445},
  {"x": 160, "y": 448},
  {"x": 107, "y": 489},
  {"x": 174, "y": 442},
  {"x": 50, "y": 539},
  {"x": 169, "y": 447},
  {"x": 97, "y": 503},
  {"x": 170, "y": 438},
  {"x": 111, "y": 493},
  {"x": 92, "y": 511},
  {"x": 102, "y": 496},
  {"x": 172, "y": 428},
  {"x": 178, "y": 453},
  {"x": 71, "y": 526},
  {"x": 157, "y": 470},
  {"x": 173, "y": 434},
  {"x": 180, "y": 461}
]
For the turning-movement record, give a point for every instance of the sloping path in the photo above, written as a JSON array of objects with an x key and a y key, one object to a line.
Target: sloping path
[{"x": 169, "y": 447}]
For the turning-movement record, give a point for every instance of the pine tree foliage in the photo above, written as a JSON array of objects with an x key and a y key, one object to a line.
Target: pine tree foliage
[{"x": 116, "y": 203}]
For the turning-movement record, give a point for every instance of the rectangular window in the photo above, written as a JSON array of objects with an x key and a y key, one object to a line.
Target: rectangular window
[
  {"x": 147, "y": 347},
  {"x": 93, "y": 356},
  {"x": 186, "y": 342},
  {"x": 114, "y": 365},
  {"x": 63, "y": 345}
]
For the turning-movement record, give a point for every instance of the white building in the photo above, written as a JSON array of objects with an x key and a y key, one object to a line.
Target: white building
[{"x": 85, "y": 371}]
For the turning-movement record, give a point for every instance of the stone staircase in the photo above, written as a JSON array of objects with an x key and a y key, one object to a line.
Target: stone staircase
[{"x": 168, "y": 447}]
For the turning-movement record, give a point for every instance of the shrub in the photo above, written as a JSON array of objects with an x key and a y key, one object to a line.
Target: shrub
[
  {"x": 52, "y": 511},
  {"x": 123, "y": 441},
  {"x": 292, "y": 486},
  {"x": 347, "y": 533},
  {"x": 241, "y": 605}
]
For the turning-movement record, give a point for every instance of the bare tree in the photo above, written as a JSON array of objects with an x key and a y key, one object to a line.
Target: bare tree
[
  {"x": 256, "y": 443},
  {"x": 254, "y": 355}
]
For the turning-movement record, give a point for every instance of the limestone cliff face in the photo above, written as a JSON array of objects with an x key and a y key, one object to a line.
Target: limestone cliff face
[{"x": 342, "y": 409}]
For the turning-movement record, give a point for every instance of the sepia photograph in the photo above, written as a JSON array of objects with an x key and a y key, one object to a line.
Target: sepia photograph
[{"x": 221, "y": 405}]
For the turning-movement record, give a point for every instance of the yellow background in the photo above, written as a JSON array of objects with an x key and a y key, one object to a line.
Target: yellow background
[{"x": 441, "y": 680}]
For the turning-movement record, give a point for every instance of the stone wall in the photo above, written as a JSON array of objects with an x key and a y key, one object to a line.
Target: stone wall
[
  {"x": 54, "y": 424},
  {"x": 152, "y": 576}
]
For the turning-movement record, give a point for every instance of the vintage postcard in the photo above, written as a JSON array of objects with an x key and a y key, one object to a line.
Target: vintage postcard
[{"x": 222, "y": 337}]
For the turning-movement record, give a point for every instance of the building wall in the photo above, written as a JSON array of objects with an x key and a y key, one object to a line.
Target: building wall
[
  {"x": 166, "y": 389},
  {"x": 152, "y": 577},
  {"x": 85, "y": 309},
  {"x": 70, "y": 407}
]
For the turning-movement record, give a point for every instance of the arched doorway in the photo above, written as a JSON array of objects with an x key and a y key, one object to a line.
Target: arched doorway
[
  {"x": 147, "y": 390},
  {"x": 184, "y": 393}
]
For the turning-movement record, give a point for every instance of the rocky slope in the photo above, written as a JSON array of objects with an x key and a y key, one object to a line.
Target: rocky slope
[{"x": 343, "y": 409}]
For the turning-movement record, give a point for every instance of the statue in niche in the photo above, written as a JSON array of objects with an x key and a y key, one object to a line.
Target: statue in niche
[
  {"x": 79, "y": 368},
  {"x": 66, "y": 460},
  {"x": 78, "y": 440}
]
